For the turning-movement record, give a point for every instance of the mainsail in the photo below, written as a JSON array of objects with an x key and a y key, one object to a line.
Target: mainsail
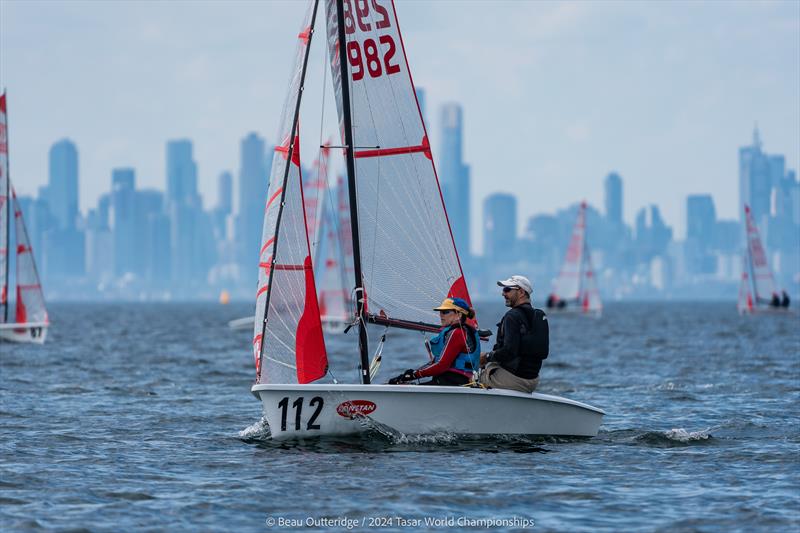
[
  {"x": 763, "y": 281},
  {"x": 568, "y": 284},
  {"x": 287, "y": 342},
  {"x": 5, "y": 188},
  {"x": 406, "y": 256},
  {"x": 30, "y": 308}
]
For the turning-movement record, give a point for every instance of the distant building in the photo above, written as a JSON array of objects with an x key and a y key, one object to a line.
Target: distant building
[
  {"x": 62, "y": 191},
  {"x": 613, "y": 194},
  {"x": 253, "y": 188},
  {"x": 181, "y": 173},
  {"x": 123, "y": 221},
  {"x": 500, "y": 227},
  {"x": 454, "y": 177}
]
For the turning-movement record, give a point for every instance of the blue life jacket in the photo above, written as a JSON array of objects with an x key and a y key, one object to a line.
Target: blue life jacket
[{"x": 465, "y": 362}]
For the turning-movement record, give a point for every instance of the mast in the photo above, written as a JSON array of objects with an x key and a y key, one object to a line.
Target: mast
[
  {"x": 351, "y": 185},
  {"x": 8, "y": 214}
]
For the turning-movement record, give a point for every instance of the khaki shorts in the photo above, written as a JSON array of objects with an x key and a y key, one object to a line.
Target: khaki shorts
[{"x": 497, "y": 377}]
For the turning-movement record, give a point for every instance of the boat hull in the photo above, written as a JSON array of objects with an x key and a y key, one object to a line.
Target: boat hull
[
  {"x": 321, "y": 410},
  {"x": 32, "y": 333}
]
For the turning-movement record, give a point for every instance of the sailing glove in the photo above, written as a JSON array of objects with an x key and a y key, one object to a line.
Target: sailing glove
[{"x": 408, "y": 375}]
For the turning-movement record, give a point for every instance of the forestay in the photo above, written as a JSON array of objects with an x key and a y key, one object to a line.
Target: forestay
[
  {"x": 407, "y": 254},
  {"x": 4, "y": 210},
  {"x": 287, "y": 341},
  {"x": 763, "y": 280},
  {"x": 30, "y": 306}
]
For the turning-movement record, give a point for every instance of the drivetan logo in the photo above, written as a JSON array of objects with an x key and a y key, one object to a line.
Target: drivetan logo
[{"x": 355, "y": 408}]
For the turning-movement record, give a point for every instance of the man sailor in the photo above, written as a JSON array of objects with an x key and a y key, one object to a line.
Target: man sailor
[{"x": 523, "y": 341}]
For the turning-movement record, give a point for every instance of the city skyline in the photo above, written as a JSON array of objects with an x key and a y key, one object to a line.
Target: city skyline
[{"x": 164, "y": 76}]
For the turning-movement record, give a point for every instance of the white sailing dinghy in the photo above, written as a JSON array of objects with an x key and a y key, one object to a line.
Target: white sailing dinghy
[
  {"x": 404, "y": 257},
  {"x": 575, "y": 288},
  {"x": 30, "y": 319},
  {"x": 758, "y": 291}
]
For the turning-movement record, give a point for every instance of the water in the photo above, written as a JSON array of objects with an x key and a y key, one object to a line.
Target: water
[{"x": 139, "y": 416}]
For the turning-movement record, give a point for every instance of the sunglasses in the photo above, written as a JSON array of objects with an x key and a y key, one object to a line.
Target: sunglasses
[
  {"x": 446, "y": 311},
  {"x": 509, "y": 289}
]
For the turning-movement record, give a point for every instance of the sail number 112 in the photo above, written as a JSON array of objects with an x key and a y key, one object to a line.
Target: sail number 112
[{"x": 316, "y": 401}]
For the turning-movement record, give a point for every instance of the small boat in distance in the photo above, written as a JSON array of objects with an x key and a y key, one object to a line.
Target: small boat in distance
[
  {"x": 404, "y": 258},
  {"x": 758, "y": 291},
  {"x": 575, "y": 288},
  {"x": 30, "y": 320}
]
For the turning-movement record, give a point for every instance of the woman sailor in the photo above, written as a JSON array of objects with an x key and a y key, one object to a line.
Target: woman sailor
[{"x": 455, "y": 350}]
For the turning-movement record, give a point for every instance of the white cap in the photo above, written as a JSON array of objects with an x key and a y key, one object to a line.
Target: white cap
[{"x": 517, "y": 281}]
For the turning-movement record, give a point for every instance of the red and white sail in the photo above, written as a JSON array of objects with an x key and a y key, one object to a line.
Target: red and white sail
[
  {"x": 589, "y": 295},
  {"x": 331, "y": 267},
  {"x": 763, "y": 280},
  {"x": 576, "y": 284},
  {"x": 568, "y": 283},
  {"x": 287, "y": 341},
  {"x": 30, "y": 307},
  {"x": 5, "y": 188},
  {"x": 407, "y": 254},
  {"x": 314, "y": 189}
]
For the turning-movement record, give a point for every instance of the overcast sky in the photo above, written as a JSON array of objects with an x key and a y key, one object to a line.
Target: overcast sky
[{"x": 555, "y": 94}]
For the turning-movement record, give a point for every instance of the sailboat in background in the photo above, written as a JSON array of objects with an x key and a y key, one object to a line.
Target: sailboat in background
[
  {"x": 30, "y": 321},
  {"x": 575, "y": 288},
  {"x": 333, "y": 263},
  {"x": 758, "y": 291},
  {"x": 404, "y": 257}
]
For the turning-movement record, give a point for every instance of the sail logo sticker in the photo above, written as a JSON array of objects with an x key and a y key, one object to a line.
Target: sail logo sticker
[{"x": 355, "y": 408}]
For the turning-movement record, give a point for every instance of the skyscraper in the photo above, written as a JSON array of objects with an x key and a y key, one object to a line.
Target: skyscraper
[
  {"x": 499, "y": 227},
  {"x": 754, "y": 181},
  {"x": 184, "y": 210},
  {"x": 701, "y": 217},
  {"x": 701, "y": 223},
  {"x": 253, "y": 186},
  {"x": 62, "y": 193},
  {"x": 123, "y": 223},
  {"x": 181, "y": 173},
  {"x": 613, "y": 189},
  {"x": 454, "y": 176}
]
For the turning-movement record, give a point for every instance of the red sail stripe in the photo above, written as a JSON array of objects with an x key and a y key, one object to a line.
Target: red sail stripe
[
  {"x": 261, "y": 291},
  {"x": 263, "y": 248},
  {"x": 272, "y": 198},
  {"x": 29, "y": 287}
]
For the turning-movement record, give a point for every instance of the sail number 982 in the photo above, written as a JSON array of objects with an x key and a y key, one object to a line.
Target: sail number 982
[{"x": 316, "y": 401}]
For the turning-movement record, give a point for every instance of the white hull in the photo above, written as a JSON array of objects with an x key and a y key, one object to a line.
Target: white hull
[
  {"x": 575, "y": 310},
  {"x": 27, "y": 332},
  {"x": 246, "y": 322},
  {"x": 326, "y": 409}
]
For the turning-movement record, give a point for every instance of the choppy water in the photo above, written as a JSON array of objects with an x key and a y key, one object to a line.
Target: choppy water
[{"x": 139, "y": 416}]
